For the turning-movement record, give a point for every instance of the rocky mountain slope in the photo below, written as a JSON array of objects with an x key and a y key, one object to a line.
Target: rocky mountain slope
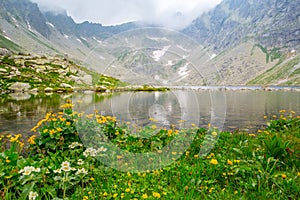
[
  {"x": 27, "y": 73},
  {"x": 271, "y": 23},
  {"x": 239, "y": 40}
]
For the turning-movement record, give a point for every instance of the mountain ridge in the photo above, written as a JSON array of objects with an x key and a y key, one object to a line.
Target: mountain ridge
[{"x": 245, "y": 37}]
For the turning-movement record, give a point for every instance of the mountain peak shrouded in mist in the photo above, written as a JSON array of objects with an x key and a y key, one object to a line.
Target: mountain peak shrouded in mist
[{"x": 113, "y": 12}]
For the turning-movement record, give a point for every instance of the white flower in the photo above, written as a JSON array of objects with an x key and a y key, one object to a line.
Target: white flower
[
  {"x": 90, "y": 152},
  {"x": 37, "y": 169},
  {"x": 28, "y": 169},
  {"x": 33, "y": 195},
  {"x": 66, "y": 168},
  {"x": 74, "y": 145},
  {"x": 57, "y": 171},
  {"x": 81, "y": 171},
  {"x": 102, "y": 149},
  {"x": 65, "y": 164},
  {"x": 80, "y": 162}
]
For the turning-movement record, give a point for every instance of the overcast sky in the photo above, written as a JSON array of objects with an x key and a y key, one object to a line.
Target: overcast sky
[{"x": 170, "y": 13}]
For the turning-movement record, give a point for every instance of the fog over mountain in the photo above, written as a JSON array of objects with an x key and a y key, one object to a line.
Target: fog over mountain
[{"x": 175, "y": 14}]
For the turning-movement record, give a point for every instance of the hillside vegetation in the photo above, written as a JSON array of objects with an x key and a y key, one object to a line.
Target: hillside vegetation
[
  {"x": 40, "y": 73},
  {"x": 285, "y": 72}
]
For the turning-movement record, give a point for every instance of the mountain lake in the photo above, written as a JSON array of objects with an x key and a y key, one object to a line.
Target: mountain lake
[{"x": 226, "y": 109}]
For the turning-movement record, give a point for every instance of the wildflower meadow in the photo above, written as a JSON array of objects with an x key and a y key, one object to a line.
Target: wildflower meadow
[{"x": 63, "y": 160}]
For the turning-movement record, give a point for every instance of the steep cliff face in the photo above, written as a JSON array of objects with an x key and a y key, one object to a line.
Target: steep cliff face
[
  {"x": 66, "y": 25},
  {"x": 24, "y": 11},
  {"x": 271, "y": 23}
]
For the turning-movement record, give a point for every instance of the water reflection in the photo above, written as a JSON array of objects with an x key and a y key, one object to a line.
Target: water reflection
[{"x": 244, "y": 109}]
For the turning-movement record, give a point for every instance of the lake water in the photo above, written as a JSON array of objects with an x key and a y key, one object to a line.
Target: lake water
[{"x": 227, "y": 110}]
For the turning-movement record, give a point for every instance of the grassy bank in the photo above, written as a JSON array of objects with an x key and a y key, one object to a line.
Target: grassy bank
[{"x": 54, "y": 164}]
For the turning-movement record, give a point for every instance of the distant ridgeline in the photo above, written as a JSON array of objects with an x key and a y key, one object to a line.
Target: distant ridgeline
[{"x": 255, "y": 42}]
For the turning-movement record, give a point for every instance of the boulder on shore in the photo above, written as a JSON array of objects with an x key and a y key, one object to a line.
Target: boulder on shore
[{"x": 20, "y": 87}]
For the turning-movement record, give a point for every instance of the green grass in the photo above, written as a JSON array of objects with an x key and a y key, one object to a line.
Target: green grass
[
  {"x": 5, "y": 43},
  {"x": 51, "y": 77},
  {"x": 279, "y": 71},
  {"x": 271, "y": 55},
  {"x": 239, "y": 166}
]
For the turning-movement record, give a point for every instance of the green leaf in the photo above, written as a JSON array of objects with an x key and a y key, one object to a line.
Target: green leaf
[{"x": 26, "y": 191}]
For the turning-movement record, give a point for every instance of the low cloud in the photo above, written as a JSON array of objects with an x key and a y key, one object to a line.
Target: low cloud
[{"x": 174, "y": 14}]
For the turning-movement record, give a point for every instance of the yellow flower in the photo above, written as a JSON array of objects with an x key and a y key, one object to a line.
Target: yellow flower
[
  {"x": 85, "y": 198},
  {"x": 127, "y": 190},
  {"x": 283, "y": 176},
  {"x": 214, "y": 161},
  {"x": 89, "y": 192},
  {"x": 67, "y": 105},
  {"x": 14, "y": 139},
  {"x": 237, "y": 161},
  {"x": 105, "y": 194},
  {"x": 21, "y": 144},
  {"x": 196, "y": 156},
  {"x": 115, "y": 195},
  {"x": 298, "y": 174},
  {"x": 128, "y": 174},
  {"x": 170, "y": 132},
  {"x": 119, "y": 157},
  {"x": 68, "y": 123},
  {"x": 52, "y": 132},
  {"x": 62, "y": 119},
  {"x": 214, "y": 134},
  {"x": 292, "y": 112},
  {"x": 229, "y": 162},
  {"x": 45, "y": 130},
  {"x": 156, "y": 194},
  {"x": 265, "y": 117},
  {"x": 154, "y": 126},
  {"x": 92, "y": 179},
  {"x": 59, "y": 129},
  {"x": 7, "y": 160},
  {"x": 31, "y": 139},
  {"x": 145, "y": 196},
  {"x": 174, "y": 153},
  {"x": 282, "y": 111}
]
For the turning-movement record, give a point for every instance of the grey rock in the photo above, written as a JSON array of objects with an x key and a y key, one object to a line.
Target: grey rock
[
  {"x": 34, "y": 91},
  {"x": 87, "y": 79},
  {"x": 5, "y": 52},
  {"x": 2, "y": 70},
  {"x": 65, "y": 85},
  {"x": 20, "y": 96},
  {"x": 48, "y": 89},
  {"x": 271, "y": 23},
  {"x": 19, "y": 87}
]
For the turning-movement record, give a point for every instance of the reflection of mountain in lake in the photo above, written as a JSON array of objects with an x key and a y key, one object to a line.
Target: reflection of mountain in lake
[{"x": 243, "y": 109}]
